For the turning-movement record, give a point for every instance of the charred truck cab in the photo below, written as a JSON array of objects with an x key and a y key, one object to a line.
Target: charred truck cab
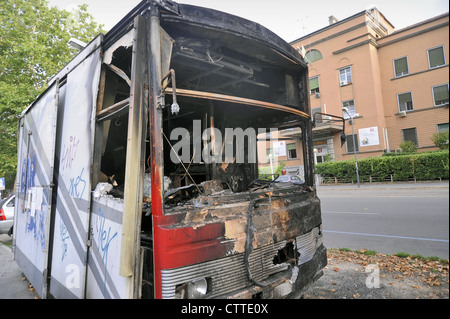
[{"x": 138, "y": 166}]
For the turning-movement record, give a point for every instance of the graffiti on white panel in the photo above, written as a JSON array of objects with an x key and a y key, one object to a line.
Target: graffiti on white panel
[
  {"x": 69, "y": 153},
  {"x": 64, "y": 235},
  {"x": 77, "y": 185},
  {"x": 36, "y": 225},
  {"x": 104, "y": 235},
  {"x": 28, "y": 173}
]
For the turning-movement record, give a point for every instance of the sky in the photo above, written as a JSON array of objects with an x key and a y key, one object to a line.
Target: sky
[{"x": 290, "y": 19}]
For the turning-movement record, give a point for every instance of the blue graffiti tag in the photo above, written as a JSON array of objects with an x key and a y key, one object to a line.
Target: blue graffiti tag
[
  {"x": 77, "y": 185},
  {"x": 28, "y": 173},
  {"x": 64, "y": 233},
  {"x": 69, "y": 153},
  {"x": 36, "y": 225},
  {"x": 104, "y": 238}
]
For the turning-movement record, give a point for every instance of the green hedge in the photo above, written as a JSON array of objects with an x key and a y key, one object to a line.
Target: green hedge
[
  {"x": 266, "y": 170},
  {"x": 421, "y": 166}
]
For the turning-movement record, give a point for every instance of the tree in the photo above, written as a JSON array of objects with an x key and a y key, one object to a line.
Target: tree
[
  {"x": 33, "y": 48},
  {"x": 440, "y": 139},
  {"x": 408, "y": 147}
]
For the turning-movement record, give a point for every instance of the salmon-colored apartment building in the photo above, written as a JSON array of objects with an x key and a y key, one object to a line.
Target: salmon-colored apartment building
[{"x": 394, "y": 83}]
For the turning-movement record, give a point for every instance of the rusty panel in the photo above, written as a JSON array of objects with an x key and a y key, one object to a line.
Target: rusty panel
[{"x": 197, "y": 234}]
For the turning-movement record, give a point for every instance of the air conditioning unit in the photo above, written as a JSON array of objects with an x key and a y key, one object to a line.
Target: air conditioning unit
[
  {"x": 402, "y": 113},
  {"x": 317, "y": 94}
]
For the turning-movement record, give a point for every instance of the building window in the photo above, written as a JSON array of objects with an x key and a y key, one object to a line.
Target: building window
[
  {"x": 410, "y": 134},
  {"x": 314, "y": 85},
  {"x": 442, "y": 127},
  {"x": 350, "y": 105},
  {"x": 345, "y": 76},
  {"x": 313, "y": 55},
  {"x": 321, "y": 153},
  {"x": 440, "y": 95},
  {"x": 292, "y": 151},
  {"x": 436, "y": 57},
  {"x": 401, "y": 67},
  {"x": 350, "y": 146},
  {"x": 405, "y": 102}
]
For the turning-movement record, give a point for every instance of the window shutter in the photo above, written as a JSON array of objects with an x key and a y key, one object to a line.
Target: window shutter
[
  {"x": 440, "y": 93},
  {"x": 350, "y": 146},
  {"x": 291, "y": 147},
  {"x": 313, "y": 83},
  {"x": 401, "y": 66},
  {"x": 410, "y": 134},
  {"x": 436, "y": 57}
]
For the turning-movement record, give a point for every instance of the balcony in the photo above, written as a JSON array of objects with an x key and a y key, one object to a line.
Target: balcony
[
  {"x": 292, "y": 133},
  {"x": 327, "y": 127}
]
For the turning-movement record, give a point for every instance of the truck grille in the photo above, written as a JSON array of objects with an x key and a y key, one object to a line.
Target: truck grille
[{"x": 229, "y": 273}]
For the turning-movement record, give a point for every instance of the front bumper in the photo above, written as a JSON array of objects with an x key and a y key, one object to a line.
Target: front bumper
[
  {"x": 269, "y": 265},
  {"x": 279, "y": 286}
]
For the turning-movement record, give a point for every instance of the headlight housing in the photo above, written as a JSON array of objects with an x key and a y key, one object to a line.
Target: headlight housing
[{"x": 195, "y": 289}]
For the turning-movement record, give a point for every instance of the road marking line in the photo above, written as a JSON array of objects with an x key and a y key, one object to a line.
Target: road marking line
[
  {"x": 353, "y": 213},
  {"x": 418, "y": 196},
  {"x": 389, "y": 236}
]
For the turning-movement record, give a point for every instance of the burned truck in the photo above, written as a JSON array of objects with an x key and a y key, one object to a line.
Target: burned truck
[{"x": 138, "y": 167}]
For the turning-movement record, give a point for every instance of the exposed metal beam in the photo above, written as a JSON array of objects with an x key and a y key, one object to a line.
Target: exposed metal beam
[{"x": 237, "y": 100}]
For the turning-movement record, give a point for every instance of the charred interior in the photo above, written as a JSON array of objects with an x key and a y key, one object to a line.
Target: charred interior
[
  {"x": 210, "y": 62},
  {"x": 112, "y": 120},
  {"x": 225, "y": 64}
]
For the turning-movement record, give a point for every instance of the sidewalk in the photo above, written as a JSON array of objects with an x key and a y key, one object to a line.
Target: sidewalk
[{"x": 12, "y": 282}]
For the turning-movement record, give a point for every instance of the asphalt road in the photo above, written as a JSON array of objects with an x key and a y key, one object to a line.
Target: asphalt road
[{"x": 387, "y": 218}]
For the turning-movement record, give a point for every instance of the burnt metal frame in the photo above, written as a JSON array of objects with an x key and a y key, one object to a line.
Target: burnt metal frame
[{"x": 156, "y": 104}]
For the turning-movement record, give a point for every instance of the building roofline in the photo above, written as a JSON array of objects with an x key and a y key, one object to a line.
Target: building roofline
[
  {"x": 365, "y": 12},
  {"x": 329, "y": 26},
  {"x": 418, "y": 24},
  {"x": 385, "y": 19}
]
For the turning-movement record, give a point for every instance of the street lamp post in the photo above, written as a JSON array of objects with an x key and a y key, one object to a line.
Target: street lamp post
[
  {"x": 344, "y": 109},
  {"x": 315, "y": 163},
  {"x": 271, "y": 164}
]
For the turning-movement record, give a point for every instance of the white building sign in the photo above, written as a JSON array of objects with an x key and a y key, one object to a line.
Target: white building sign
[
  {"x": 321, "y": 150},
  {"x": 368, "y": 136},
  {"x": 279, "y": 148}
]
